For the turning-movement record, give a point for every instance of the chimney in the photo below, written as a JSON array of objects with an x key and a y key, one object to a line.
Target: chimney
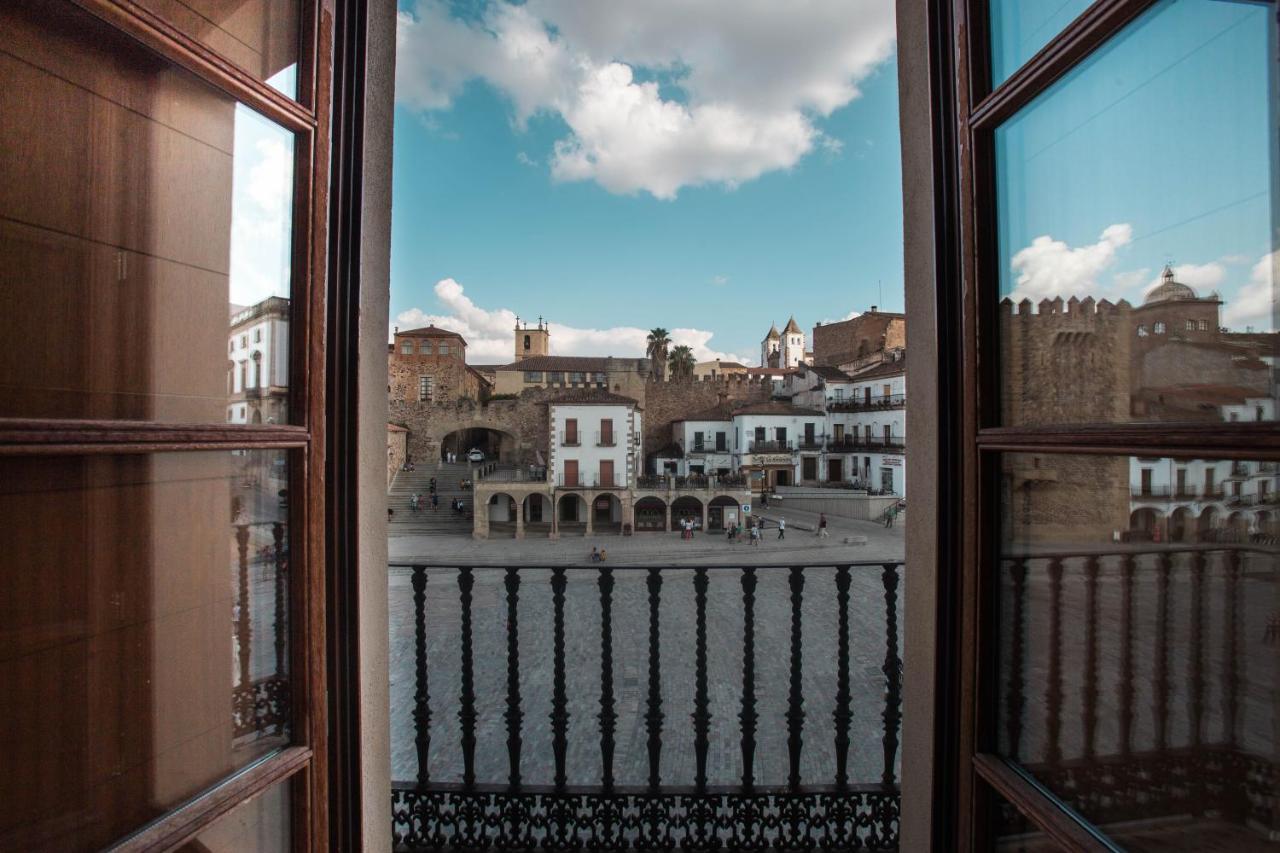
[
  {"x": 873, "y": 310},
  {"x": 397, "y": 331}
]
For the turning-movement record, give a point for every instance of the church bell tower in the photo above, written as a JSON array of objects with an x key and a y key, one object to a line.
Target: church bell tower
[{"x": 532, "y": 341}]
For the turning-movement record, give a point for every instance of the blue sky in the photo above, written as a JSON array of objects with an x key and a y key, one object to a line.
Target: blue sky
[
  {"x": 713, "y": 167},
  {"x": 1155, "y": 150},
  {"x": 751, "y": 199}
]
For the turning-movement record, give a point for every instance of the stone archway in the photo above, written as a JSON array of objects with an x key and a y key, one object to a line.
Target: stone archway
[
  {"x": 502, "y": 515},
  {"x": 496, "y": 445},
  {"x": 1206, "y": 523},
  {"x": 571, "y": 515},
  {"x": 1180, "y": 524},
  {"x": 1144, "y": 524},
  {"x": 606, "y": 514},
  {"x": 716, "y": 512},
  {"x": 688, "y": 507},
  {"x": 651, "y": 515}
]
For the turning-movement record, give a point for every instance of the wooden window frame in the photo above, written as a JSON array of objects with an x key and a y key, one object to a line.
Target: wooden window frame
[
  {"x": 322, "y": 763},
  {"x": 964, "y": 113}
]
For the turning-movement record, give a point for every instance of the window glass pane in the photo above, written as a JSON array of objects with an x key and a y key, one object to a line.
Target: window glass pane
[
  {"x": 260, "y": 36},
  {"x": 1138, "y": 672},
  {"x": 1137, "y": 227},
  {"x": 1014, "y": 833},
  {"x": 261, "y": 825},
  {"x": 1019, "y": 28},
  {"x": 145, "y": 223},
  {"x": 144, "y": 611}
]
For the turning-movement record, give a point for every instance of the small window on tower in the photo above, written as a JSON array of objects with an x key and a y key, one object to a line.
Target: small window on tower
[
  {"x": 1159, "y": 327},
  {"x": 528, "y": 343},
  {"x": 424, "y": 348},
  {"x": 444, "y": 348}
]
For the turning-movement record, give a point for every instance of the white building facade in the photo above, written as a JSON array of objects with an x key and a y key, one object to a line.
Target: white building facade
[
  {"x": 595, "y": 443},
  {"x": 258, "y": 364}
]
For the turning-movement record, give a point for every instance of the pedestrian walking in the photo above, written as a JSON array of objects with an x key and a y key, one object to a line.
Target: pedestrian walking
[
  {"x": 435, "y": 502},
  {"x": 755, "y": 536},
  {"x": 822, "y": 525},
  {"x": 890, "y": 514},
  {"x": 782, "y": 528},
  {"x": 413, "y": 502}
]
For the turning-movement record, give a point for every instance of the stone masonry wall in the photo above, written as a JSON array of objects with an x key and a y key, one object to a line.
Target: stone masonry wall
[
  {"x": 524, "y": 420},
  {"x": 848, "y": 340},
  {"x": 452, "y": 380}
]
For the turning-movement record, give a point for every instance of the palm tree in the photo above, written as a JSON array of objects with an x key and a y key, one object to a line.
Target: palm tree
[
  {"x": 681, "y": 363},
  {"x": 659, "y": 342}
]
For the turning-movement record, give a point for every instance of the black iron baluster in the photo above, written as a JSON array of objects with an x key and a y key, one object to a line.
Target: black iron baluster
[
  {"x": 1233, "y": 644},
  {"x": 892, "y": 672},
  {"x": 1053, "y": 696},
  {"x": 559, "y": 701},
  {"x": 1196, "y": 716},
  {"x": 467, "y": 713},
  {"x": 748, "y": 716},
  {"x": 1014, "y": 700},
  {"x": 1091, "y": 657},
  {"x": 842, "y": 715},
  {"x": 1126, "y": 655},
  {"x": 244, "y": 629},
  {"x": 513, "y": 715},
  {"x": 282, "y": 598},
  {"x": 608, "y": 717},
  {"x": 421, "y": 697},
  {"x": 795, "y": 712},
  {"x": 653, "y": 717},
  {"x": 1162, "y": 652},
  {"x": 701, "y": 715}
]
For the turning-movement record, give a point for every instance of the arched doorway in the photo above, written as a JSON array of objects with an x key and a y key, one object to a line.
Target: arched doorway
[
  {"x": 686, "y": 507},
  {"x": 502, "y": 514},
  {"x": 651, "y": 514},
  {"x": 1143, "y": 524},
  {"x": 1238, "y": 524},
  {"x": 1206, "y": 523},
  {"x": 717, "y": 511},
  {"x": 1179, "y": 524},
  {"x": 606, "y": 514},
  {"x": 496, "y": 445},
  {"x": 571, "y": 514},
  {"x": 537, "y": 513},
  {"x": 1264, "y": 523}
]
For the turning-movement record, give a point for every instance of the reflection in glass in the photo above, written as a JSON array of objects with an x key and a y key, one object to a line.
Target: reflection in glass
[
  {"x": 1013, "y": 832},
  {"x": 260, "y": 36},
  {"x": 1140, "y": 622},
  {"x": 145, "y": 612},
  {"x": 1136, "y": 227},
  {"x": 260, "y": 825},
  {"x": 1019, "y": 28},
  {"x": 145, "y": 229}
]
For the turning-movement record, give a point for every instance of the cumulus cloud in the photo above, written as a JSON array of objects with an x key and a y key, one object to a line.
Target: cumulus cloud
[
  {"x": 745, "y": 79},
  {"x": 848, "y": 316},
  {"x": 720, "y": 280},
  {"x": 1049, "y": 268},
  {"x": 261, "y": 198},
  {"x": 489, "y": 332},
  {"x": 1254, "y": 303}
]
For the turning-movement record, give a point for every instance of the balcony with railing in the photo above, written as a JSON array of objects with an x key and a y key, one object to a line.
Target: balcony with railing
[
  {"x": 812, "y": 442},
  {"x": 570, "y": 438},
  {"x": 862, "y": 404},
  {"x": 606, "y": 439},
  {"x": 591, "y": 481},
  {"x": 771, "y": 446},
  {"x": 868, "y": 444},
  {"x": 564, "y": 707}
]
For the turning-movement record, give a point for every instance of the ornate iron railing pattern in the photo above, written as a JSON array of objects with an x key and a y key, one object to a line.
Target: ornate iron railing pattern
[
  {"x": 434, "y": 815},
  {"x": 261, "y": 706},
  {"x": 1172, "y": 739}
]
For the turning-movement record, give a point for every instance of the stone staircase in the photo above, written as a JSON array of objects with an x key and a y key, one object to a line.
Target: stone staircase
[{"x": 442, "y": 521}]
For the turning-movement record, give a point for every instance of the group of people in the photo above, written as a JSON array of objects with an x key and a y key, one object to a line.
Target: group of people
[
  {"x": 417, "y": 501},
  {"x": 450, "y": 456},
  {"x": 599, "y": 555}
]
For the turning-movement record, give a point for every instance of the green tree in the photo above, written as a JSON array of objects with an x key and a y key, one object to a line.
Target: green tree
[
  {"x": 659, "y": 344},
  {"x": 680, "y": 364}
]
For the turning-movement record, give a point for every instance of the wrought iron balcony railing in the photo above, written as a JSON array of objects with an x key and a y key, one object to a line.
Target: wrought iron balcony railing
[
  {"x": 892, "y": 401},
  {"x": 606, "y": 439},
  {"x": 775, "y": 446},
  {"x": 570, "y": 439},
  {"x": 641, "y": 798},
  {"x": 1126, "y": 680},
  {"x": 591, "y": 481},
  {"x": 865, "y": 444}
]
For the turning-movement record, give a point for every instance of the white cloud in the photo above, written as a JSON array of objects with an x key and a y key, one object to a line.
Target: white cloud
[
  {"x": 848, "y": 316},
  {"x": 525, "y": 160},
  {"x": 720, "y": 280},
  {"x": 751, "y": 75},
  {"x": 1050, "y": 268},
  {"x": 490, "y": 333},
  {"x": 1254, "y": 303},
  {"x": 262, "y": 199}
]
